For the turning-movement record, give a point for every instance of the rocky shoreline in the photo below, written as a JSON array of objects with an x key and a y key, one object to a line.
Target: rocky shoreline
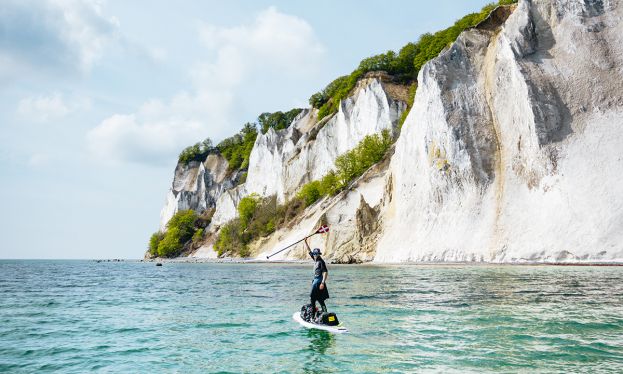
[{"x": 189, "y": 260}]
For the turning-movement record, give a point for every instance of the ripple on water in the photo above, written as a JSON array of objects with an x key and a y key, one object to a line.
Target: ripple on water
[{"x": 80, "y": 316}]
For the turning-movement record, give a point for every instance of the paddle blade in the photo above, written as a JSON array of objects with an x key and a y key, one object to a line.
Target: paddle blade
[{"x": 323, "y": 229}]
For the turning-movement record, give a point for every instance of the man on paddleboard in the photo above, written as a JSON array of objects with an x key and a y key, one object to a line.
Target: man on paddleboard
[{"x": 319, "y": 288}]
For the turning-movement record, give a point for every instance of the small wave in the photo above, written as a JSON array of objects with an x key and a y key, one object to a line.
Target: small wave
[{"x": 221, "y": 325}]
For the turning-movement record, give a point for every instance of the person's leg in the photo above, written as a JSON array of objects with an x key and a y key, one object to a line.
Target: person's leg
[
  {"x": 313, "y": 294},
  {"x": 322, "y": 305}
]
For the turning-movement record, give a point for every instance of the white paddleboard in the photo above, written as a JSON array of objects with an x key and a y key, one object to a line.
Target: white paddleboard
[{"x": 334, "y": 329}]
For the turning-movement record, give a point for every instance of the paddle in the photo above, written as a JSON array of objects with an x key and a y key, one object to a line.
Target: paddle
[{"x": 321, "y": 230}]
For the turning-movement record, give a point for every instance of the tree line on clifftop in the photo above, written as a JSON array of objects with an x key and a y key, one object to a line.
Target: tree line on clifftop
[
  {"x": 404, "y": 65},
  {"x": 237, "y": 149}
]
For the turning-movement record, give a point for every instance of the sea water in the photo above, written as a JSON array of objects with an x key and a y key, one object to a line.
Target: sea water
[{"x": 81, "y": 316}]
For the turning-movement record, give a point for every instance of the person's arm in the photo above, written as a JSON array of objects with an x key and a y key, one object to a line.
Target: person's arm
[{"x": 325, "y": 275}]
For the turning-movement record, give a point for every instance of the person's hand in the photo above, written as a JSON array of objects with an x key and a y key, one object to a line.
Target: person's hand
[{"x": 322, "y": 286}]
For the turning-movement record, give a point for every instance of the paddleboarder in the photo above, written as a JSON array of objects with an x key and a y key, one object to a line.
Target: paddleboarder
[{"x": 319, "y": 290}]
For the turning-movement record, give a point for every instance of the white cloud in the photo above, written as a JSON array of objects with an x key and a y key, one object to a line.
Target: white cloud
[
  {"x": 43, "y": 108},
  {"x": 53, "y": 34},
  {"x": 274, "y": 41},
  {"x": 158, "y": 130},
  {"x": 273, "y": 45},
  {"x": 85, "y": 28}
]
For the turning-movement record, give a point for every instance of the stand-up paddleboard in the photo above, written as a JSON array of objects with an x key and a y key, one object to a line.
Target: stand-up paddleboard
[{"x": 334, "y": 329}]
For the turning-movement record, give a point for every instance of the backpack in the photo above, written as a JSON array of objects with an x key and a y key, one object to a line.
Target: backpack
[
  {"x": 329, "y": 319},
  {"x": 308, "y": 314}
]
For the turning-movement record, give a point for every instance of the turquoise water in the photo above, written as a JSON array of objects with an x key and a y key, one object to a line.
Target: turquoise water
[{"x": 79, "y": 316}]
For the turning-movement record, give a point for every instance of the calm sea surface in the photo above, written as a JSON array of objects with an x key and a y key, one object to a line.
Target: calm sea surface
[{"x": 80, "y": 316}]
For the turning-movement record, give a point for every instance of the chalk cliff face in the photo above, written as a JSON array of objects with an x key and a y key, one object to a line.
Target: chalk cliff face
[
  {"x": 196, "y": 186},
  {"x": 282, "y": 161},
  {"x": 510, "y": 153}
]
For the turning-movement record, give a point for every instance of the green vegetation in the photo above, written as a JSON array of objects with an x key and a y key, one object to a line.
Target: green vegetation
[
  {"x": 277, "y": 120},
  {"x": 171, "y": 245},
  {"x": 237, "y": 149},
  {"x": 197, "y": 152},
  {"x": 403, "y": 116},
  {"x": 404, "y": 65},
  {"x": 349, "y": 166},
  {"x": 259, "y": 217},
  {"x": 197, "y": 236},
  {"x": 246, "y": 208},
  {"x": 155, "y": 239},
  {"x": 229, "y": 239},
  {"x": 310, "y": 192},
  {"x": 181, "y": 228}
]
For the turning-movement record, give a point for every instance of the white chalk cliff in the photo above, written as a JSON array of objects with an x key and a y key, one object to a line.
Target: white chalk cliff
[
  {"x": 196, "y": 186},
  {"x": 282, "y": 161},
  {"x": 512, "y": 151}
]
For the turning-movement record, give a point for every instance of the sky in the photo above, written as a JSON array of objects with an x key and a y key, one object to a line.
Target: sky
[{"x": 97, "y": 99}]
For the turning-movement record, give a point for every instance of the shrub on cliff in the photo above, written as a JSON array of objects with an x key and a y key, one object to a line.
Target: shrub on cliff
[
  {"x": 181, "y": 228},
  {"x": 184, "y": 221},
  {"x": 196, "y": 152},
  {"x": 368, "y": 152},
  {"x": 154, "y": 241},
  {"x": 246, "y": 208},
  {"x": 237, "y": 149},
  {"x": 310, "y": 192},
  {"x": 197, "y": 236},
  {"x": 329, "y": 184},
  {"x": 261, "y": 217},
  {"x": 277, "y": 120},
  {"x": 265, "y": 219},
  {"x": 171, "y": 245},
  {"x": 229, "y": 239},
  {"x": 348, "y": 167}
]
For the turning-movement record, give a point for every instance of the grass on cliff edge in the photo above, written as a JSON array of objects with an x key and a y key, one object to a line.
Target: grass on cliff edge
[
  {"x": 404, "y": 65},
  {"x": 237, "y": 149}
]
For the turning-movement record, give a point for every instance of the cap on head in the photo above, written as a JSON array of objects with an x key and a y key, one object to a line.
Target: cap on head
[{"x": 316, "y": 252}]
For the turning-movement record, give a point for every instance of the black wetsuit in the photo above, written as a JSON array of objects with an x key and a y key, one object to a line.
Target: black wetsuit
[{"x": 316, "y": 293}]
